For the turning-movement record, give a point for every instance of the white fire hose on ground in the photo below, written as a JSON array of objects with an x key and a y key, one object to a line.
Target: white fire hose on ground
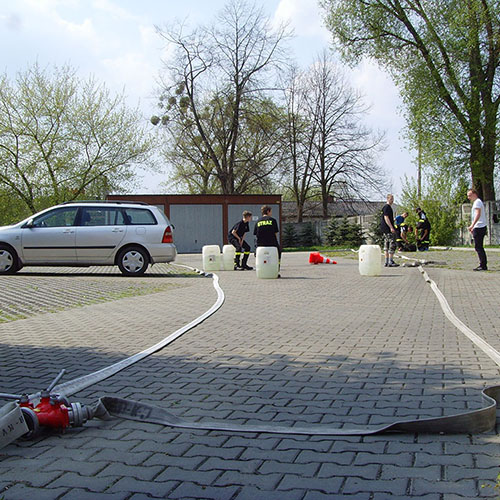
[{"x": 13, "y": 425}]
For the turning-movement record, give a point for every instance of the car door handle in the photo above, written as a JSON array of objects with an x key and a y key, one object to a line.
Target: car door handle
[
  {"x": 69, "y": 231},
  {"x": 117, "y": 230}
]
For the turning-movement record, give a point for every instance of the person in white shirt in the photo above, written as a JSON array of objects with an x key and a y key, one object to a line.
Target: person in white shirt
[{"x": 478, "y": 228}]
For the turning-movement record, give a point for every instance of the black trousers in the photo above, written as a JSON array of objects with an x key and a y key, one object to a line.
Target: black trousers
[
  {"x": 245, "y": 248},
  {"x": 478, "y": 234}
]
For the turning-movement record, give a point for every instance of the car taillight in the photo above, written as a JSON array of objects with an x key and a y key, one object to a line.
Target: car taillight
[{"x": 167, "y": 236}]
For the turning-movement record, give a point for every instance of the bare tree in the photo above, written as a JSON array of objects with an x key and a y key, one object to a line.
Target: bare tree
[
  {"x": 299, "y": 139},
  {"x": 226, "y": 63},
  {"x": 345, "y": 150}
]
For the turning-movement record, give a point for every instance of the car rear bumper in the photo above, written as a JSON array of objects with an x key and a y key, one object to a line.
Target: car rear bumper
[{"x": 162, "y": 252}]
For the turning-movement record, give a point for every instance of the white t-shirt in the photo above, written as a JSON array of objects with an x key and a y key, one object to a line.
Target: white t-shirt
[{"x": 482, "y": 219}]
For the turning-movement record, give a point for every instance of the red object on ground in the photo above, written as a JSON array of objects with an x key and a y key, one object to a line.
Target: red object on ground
[
  {"x": 52, "y": 413},
  {"x": 317, "y": 258}
]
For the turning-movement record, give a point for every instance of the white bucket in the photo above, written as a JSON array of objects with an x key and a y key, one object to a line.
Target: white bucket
[
  {"x": 267, "y": 263},
  {"x": 370, "y": 260},
  {"x": 228, "y": 254},
  {"x": 211, "y": 257}
]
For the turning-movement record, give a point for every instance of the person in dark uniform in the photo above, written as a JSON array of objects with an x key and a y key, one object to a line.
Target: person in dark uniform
[
  {"x": 237, "y": 238},
  {"x": 407, "y": 245},
  {"x": 400, "y": 227},
  {"x": 422, "y": 231},
  {"x": 266, "y": 231}
]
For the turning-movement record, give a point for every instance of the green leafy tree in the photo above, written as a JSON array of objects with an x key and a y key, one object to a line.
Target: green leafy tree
[
  {"x": 445, "y": 57},
  {"x": 12, "y": 209},
  {"x": 440, "y": 203},
  {"x": 63, "y": 138}
]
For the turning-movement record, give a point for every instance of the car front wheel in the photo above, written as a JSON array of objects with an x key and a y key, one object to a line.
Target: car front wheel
[
  {"x": 8, "y": 260},
  {"x": 133, "y": 261}
]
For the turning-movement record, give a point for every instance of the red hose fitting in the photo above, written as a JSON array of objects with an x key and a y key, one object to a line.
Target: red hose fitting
[{"x": 51, "y": 412}]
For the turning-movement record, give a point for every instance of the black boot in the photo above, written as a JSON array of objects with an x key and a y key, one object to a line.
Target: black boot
[
  {"x": 237, "y": 261},
  {"x": 244, "y": 262}
]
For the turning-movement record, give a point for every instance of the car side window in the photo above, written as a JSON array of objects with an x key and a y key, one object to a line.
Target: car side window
[
  {"x": 139, "y": 216},
  {"x": 62, "y": 217},
  {"x": 102, "y": 216}
]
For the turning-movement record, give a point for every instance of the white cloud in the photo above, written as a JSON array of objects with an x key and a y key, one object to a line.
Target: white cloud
[
  {"x": 304, "y": 17},
  {"x": 149, "y": 37},
  {"x": 83, "y": 31},
  {"x": 130, "y": 70},
  {"x": 11, "y": 21},
  {"x": 112, "y": 8},
  {"x": 385, "y": 114},
  {"x": 380, "y": 92}
]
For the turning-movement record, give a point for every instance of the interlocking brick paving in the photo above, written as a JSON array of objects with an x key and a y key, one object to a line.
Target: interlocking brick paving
[{"x": 322, "y": 345}]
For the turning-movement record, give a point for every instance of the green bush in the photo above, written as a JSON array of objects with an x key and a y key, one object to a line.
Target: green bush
[
  {"x": 290, "y": 237},
  {"x": 375, "y": 231},
  {"x": 307, "y": 236},
  {"x": 343, "y": 233},
  {"x": 332, "y": 231}
]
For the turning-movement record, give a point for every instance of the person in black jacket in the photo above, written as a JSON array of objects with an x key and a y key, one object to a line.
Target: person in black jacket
[
  {"x": 422, "y": 231},
  {"x": 237, "y": 238},
  {"x": 266, "y": 231},
  {"x": 389, "y": 231}
]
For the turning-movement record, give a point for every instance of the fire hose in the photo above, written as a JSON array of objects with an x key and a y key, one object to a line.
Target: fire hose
[{"x": 23, "y": 417}]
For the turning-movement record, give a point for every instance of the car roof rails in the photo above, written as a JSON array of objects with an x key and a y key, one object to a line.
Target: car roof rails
[{"x": 119, "y": 202}]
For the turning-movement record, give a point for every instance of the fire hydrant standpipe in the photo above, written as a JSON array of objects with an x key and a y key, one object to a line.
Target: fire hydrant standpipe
[{"x": 55, "y": 411}]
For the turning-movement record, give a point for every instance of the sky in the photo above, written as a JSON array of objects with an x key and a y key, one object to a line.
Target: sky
[{"x": 116, "y": 41}]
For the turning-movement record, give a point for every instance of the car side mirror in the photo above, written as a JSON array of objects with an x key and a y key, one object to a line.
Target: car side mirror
[{"x": 29, "y": 223}]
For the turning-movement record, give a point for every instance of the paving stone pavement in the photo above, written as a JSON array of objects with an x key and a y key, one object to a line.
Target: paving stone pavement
[
  {"x": 44, "y": 290},
  {"x": 322, "y": 345}
]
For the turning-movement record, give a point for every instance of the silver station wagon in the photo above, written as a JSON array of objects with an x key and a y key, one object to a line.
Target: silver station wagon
[{"x": 127, "y": 234}]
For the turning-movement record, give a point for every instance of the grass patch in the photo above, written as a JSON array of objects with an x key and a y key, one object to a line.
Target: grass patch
[{"x": 316, "y": 248}]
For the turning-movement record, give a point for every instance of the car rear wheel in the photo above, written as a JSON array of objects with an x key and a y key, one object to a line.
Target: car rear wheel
[
  {"x": 133, "y": 261},
  {"x": 9, "y": 262}
]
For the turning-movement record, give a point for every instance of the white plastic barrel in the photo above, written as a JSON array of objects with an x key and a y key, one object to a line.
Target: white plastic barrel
[
  {"x": 228, "y": 254},
  {"x": 211, "y": 257},
  {"x": 266, "y": 262},
  {"x": 370, "y": 260}
]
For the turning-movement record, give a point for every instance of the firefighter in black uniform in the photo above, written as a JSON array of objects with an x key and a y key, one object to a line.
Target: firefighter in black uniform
[
  {"x": 266, "y": 231},
  {"x": 400, "y": 227},
  {"x": 237, "y": 238},
  {"x": 422, "y": 231}
]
